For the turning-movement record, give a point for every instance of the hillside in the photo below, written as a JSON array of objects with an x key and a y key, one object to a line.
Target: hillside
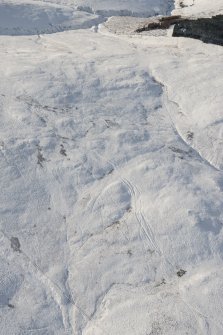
[{"x": 111, "y": 171}]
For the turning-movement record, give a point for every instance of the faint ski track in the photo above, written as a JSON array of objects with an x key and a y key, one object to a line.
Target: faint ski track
[
  {"x": 135, "y": 193},
  {"x": 137, "y": 209},
  {"x": 144, "y": 226}
]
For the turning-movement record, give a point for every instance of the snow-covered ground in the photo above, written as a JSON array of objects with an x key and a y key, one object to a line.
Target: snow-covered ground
[
  {"x": 31, "y": 18},
  {"x": 111, "y": 177},
  {"x": 126, "y": 7},
  {"x": 198, "y": 8}
]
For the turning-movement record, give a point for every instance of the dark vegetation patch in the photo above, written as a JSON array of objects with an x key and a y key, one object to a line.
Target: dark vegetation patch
[
  {"x": 62, "y": 150},
  {"x": 190, "y": 135},
  {"x": 162, "y": 282},
  {"x": 129, "y": 252},
  {"x": 40, "y": 158},
  {"x": 181, "y": 153},
  {"x": 11, "y": 306},
  {"x": 182, "y": 5},
  {"x": 15, "y": 244},
  {"x": 181, "y": 273}
]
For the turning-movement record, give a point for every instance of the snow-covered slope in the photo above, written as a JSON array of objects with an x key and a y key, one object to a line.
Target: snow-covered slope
[
  {"x": 111, "y": 180},
  {"x": 198, "y": 8},
  {"x": 31, "y": 18},
  {"x": 126, "y": 7}
]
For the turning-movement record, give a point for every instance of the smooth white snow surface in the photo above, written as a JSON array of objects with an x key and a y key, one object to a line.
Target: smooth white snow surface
[
  {"x": 198, "y": 8},
  {"x": 111, "y": 181}
]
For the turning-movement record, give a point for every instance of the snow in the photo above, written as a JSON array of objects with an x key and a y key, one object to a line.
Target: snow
[
  {"x": 111, "y": 175},
  {"x": 125, "y": 7},
  {"x": 198, "y": 8},
  {"x": 32, "y": 18}
]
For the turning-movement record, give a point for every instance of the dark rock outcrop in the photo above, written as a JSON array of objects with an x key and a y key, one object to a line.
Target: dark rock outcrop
[
  {"x": 159, "y": 22},
  {"x": 208, "y": 30}
]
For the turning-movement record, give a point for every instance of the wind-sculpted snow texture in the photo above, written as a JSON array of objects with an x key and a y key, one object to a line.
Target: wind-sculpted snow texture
[
  {"x": 111, "y": 178},
  {"x": 126, "y": 7},
  {"x": 31, "y": 18},
  {"x": 198, "y": 8}
]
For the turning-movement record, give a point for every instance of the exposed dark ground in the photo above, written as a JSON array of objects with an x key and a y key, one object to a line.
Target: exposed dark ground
[{"x": 208, "y": 30}]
